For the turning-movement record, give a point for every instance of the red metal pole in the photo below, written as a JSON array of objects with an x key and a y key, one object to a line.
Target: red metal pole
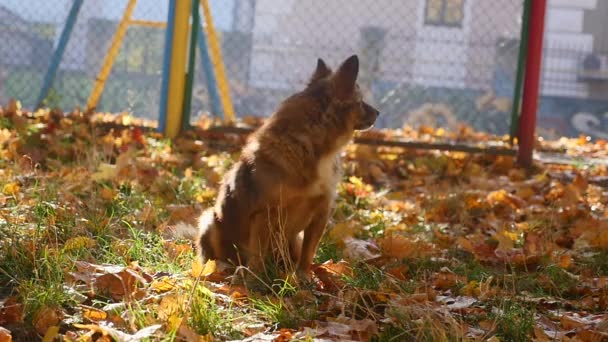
[{"x": 529, "y": 106}]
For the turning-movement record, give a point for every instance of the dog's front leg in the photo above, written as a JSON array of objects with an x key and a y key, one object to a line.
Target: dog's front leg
[{"x": 312, "y": 236}]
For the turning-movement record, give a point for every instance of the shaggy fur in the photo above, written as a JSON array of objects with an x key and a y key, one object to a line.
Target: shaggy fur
[{"x": 285, "y": 179}]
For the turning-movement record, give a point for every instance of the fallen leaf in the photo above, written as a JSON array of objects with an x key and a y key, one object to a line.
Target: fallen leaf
[
  {"x": 51, "y": 334},
  {"x": 46, "y": 318},
  {"x": 355, "y": 249},
  {"x": 10, "y": 311},
  {"x": 11, "y": 189},
  {"x": 5, "y": 335},
  {"x": 93, "y": 314}
]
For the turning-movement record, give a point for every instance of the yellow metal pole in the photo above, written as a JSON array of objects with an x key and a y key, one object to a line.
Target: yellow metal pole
[
  {"x": 218, "y": 62},
  {"x": 177, "y": 76},
  {"x": 102, "y": 77},
  {"x": 148, "y": 23}
]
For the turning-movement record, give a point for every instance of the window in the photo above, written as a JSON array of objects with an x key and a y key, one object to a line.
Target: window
[{"x": 444, "y": 12}]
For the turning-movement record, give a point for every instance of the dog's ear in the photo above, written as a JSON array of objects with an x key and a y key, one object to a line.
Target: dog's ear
[
  {"x": 345, "y": 77},
  {"x": 322, "y": 71}
]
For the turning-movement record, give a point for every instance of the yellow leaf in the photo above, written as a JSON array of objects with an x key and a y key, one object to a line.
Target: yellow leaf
[
  {"x": 79, "y": 242},
  {"x": 51, "y": 333},
  {"x": 205, "y": 270},
  {"x": 209, "y": 268},
  {"x": 11, "y": 189},
  {"x": 505, "y": 243},
  {"x": 170, "y": 305},
  {"x": 471, "y": 289},
  {"x": 356, "y": 181},
  {"x": 206, "y": 195},
  {"x": 163, "y": 284},
  {"x": 341, "y": 231},
  {"x": 105, "y": 172},
  {"x": 174, "y": 322},
  {"x": 93, "y": 314}
]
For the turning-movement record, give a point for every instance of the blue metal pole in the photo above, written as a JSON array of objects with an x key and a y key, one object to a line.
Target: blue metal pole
[
  {"x": 164, "y": 89},
  {"x": 58, "y": 53},
  {"x": 214, "y": 96}
]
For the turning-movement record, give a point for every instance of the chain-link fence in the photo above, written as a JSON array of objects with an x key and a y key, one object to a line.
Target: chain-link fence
[{"x": 433, "y": 62}]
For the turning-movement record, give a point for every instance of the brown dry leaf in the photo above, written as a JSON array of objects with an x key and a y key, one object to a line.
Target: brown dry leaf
[
  {"x": 565, "y": 261},
  {"x": 399, "y": 246},
  {"x": 571, "y": 322},
  {"x": 117, "y": 281},
  {"x": 505, "y": 241},
  {"x": 186, "y": 333},
  {"x": 503, "y": 197},
  {"x": 345, "y": 329},
  {"x": 10, "y": 311},
  {"x": 479, "y": 248},
  {"x": 445, "y": 280},
  {"x": 399, "y": 272},
  {"x": 108, "y": 194},
  {"x": 125, "y": 283},
  {"x": 46, "y": 318},
  {"x": 589, "y": 335},
  {"x": 5, "y": 335},
  {"x": 331, "y": 274}
]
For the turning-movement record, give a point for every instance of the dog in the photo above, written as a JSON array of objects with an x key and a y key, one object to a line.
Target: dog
[{"x": 284, "y": 183}]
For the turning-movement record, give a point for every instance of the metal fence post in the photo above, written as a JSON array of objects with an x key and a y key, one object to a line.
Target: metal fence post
[
  {"x": 108, "y": 62},
  {"x": 521, "y": 70},
  {"x": 214, "y": 96},
  {"x": 527, "y": 123},
  {"x": 194, "y": 30},
  {"x": 58, "y": 53},
  {"x": 164, "y": 88},
  {"x": 218, "y": 63}
]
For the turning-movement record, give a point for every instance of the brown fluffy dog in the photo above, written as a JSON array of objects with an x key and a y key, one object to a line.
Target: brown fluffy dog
[{"x": 285, "y": 180}]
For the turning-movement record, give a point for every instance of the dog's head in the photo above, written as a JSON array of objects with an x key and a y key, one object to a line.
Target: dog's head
[{"x": 341, "y": 93}]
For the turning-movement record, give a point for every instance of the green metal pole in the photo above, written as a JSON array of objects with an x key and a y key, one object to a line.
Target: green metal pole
[
  {"x": 521, "y": 69},
  {"x": 196, "y": 22}
]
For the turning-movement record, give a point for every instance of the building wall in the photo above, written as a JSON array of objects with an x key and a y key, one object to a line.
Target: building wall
[
  {"x": 595, "y": 23},
  {"x": 565, "y": 43},
  {"x": 290, "y": 35}
]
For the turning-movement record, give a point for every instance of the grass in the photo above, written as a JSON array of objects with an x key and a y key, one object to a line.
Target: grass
[
  {"x": 514, "y": 321},
  {"x": 58, "y": 218}
]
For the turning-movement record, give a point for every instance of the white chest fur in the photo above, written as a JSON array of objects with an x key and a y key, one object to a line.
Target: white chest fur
[{"x": 328, "y": 176}]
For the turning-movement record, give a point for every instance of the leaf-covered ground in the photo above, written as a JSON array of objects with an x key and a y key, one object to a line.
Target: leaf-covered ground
[{"x": 423, "y": 246}]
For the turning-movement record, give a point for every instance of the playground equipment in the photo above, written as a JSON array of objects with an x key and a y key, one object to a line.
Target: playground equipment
[
  {"x": 177, "y": 74},
  {"x": 186, "y": 30}
]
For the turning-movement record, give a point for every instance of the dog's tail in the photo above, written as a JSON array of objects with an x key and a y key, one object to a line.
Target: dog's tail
[{"x": 184, "y": 230}]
